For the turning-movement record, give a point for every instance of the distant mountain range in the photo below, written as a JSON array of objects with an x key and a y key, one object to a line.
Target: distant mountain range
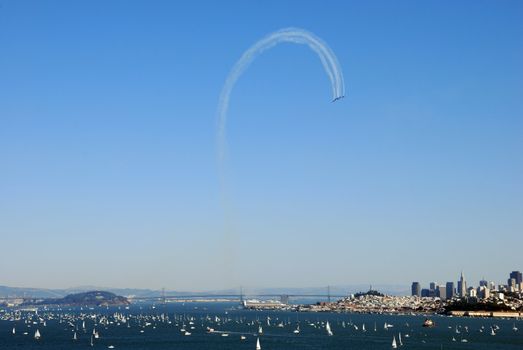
[{"x": 6, "y": 291}]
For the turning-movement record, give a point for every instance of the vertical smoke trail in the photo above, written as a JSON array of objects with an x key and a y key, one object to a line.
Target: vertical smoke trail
[{"x": 292, "y": 35}]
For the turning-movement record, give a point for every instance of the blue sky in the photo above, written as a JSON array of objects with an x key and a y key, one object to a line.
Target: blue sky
[{"x": 108, "y": 157}]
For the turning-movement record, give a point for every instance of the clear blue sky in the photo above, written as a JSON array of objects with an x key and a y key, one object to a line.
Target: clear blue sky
[{"x": 108, "y": 171}]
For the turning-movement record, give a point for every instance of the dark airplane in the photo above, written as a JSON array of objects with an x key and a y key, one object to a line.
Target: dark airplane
[{"x": 338, "y": 98}]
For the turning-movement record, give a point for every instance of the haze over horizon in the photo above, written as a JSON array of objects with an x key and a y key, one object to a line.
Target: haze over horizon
[{"x": 108, "y": 147}]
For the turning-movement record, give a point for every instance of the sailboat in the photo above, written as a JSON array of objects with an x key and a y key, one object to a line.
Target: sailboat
[
  {"x": 74, "y": 336},
  {"x": 92, "y": 342},
  {"x": 297, "y": 330},
  {"x": 374, "y": 326},
  {"x": 260, "y": 330},
  {"x": 258, "y": 346},
  {"x": 514, "y": 328},
  {"x": 363, "y": 328},
  {"x": 328, "y": 328},
  {"x": 399, "y": 338},
  {"x": 14, "y": 330},
  {"x": 394, "y": 345},
  {"x": 37, "y": 334}
]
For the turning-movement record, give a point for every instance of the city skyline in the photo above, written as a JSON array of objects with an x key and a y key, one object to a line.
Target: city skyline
[
  {"x": 462, "y": 288},
  {"x": 108, "y": 151}
]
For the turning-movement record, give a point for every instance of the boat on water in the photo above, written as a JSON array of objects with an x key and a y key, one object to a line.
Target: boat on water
[
  {"x": 428, "y": 323},
  {"x": 394, "y": 344},
  {"x": 328, "y": 329},
  {"x": 260, "y": 330},
  {"x": 297, "y": 330},
  {"x": 37, "y": 335},
  {"x": 14, "y": 330},
  {"x": 258, "y": 345}
]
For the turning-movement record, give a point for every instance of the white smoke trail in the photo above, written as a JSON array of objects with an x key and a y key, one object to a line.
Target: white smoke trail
[
  {"x": 292, "y": 35},
  {"x": 333, "y": 70}
]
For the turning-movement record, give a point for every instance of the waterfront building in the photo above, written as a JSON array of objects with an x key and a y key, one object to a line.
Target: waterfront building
[
  {"x": 450, "y": 292},
  {"x": 416, "y": 289},
  {"x": 471, "y": 292}
]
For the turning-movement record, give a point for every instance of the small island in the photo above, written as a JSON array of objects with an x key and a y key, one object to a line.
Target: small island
[{"x": 92, "y": 298}]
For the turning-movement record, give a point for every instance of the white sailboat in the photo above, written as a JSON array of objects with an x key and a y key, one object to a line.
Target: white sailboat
[
  {"x": 14, "y": 330},
  {"x": 37, "y": 334},
  {"x": 74, "y": 336},
  {"x": 328, "y": 328},
  {"x": 363, "y": 328},
  {"x": 258, "y": 346},
  {"x": 297, "y": 330},
  {"x": 260, "y": 330},
  {"x": 399, "y": 338},
  {"x": 394, "y": 345}
]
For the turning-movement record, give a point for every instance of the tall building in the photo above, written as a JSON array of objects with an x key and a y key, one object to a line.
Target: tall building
[
  {"x": 449, "y": 293},
  {"x": 416, "y": 289},
  {"x": 483, "y": 292},
  {"x": 442, "y": 292},
  {"x": 518, "y": 276},
  {"x": 432, "y": 286},
  {"x": 462, "y": 286}
]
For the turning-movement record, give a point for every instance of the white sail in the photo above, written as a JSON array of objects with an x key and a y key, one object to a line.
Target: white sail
[
  {"x": 394, "y": 345},
  {"x": 37, "y": 334},
  {"x": 399, "y": 338},
  {"x": 328, "y": 328},
  {"x": 14, "y": 330},
  {"x": 74, "y": 336},
  {"x": 363, "y": 328},
  {"x": 260, "y": 330},
  {"x": 258, "y": 346}
]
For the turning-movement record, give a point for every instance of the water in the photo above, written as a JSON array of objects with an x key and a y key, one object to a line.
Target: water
[{"x": 162, "y": 335}]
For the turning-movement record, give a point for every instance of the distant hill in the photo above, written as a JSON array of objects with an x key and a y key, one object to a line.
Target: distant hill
[{"x": 92, "y": 298}]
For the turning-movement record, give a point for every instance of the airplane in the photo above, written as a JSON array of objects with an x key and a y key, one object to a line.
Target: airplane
[{"x": 337, "y": 98}]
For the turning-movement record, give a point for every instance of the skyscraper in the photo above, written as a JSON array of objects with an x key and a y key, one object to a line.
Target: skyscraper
[
  {"x": 416, "y": 289},
  {"x": 442, "y": 292},
  {"x": 450, "y": 290},
  {"x": 517, "y": 275},
  {"x": 462, "y": 286}
]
